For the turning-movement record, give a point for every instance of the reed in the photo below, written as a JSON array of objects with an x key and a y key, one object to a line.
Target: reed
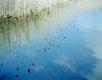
[{"x": 18, "y": 8}]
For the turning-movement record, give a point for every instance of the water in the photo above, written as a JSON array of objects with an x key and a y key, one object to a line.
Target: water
[{"x": 52, "y": 46}]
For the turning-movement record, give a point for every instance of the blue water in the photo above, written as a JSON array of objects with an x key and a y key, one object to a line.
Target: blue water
[{"x": 60, "y": 53}]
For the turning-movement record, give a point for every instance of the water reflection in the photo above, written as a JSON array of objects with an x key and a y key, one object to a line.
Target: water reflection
[
  {"x": 34, "y": 50},
  {"x": 91, "y": 32}
]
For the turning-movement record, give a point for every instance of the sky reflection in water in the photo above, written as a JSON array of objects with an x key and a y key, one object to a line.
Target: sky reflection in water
[{"x": 58, "y": 52}]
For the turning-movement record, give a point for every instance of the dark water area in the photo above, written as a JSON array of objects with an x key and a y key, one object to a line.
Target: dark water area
[{"x": 35, "y": 50}]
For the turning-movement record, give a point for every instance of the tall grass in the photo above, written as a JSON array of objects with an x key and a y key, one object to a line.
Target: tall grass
[{"x": 15, "y": 8}]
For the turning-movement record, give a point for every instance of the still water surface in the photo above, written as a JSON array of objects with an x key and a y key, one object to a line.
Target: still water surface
[{"x": 52, "y": 49}]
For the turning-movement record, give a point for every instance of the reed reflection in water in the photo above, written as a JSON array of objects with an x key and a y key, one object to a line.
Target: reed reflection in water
[{"x": 40, "y": 48}]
